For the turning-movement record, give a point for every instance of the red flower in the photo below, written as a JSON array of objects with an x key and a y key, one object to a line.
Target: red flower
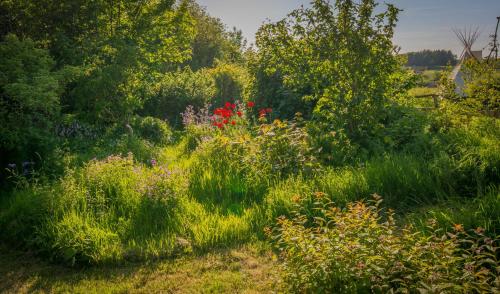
[
  {"x": 225, "y": 121},
  {"x": 228, "y": 105},
  {"x": 239, "y": 113},
  {"x": 233, "y": 106},
  {"x": 250, "y": 104},
  {"x": 233, "y": 123},
  {"x": 220, "y": 126},
  {"x": 262, "y": 112},
  {"x": 219, "y": 111},
  {"x": 269, "y": 110}
]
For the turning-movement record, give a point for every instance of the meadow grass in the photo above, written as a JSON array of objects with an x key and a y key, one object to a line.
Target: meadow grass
[
  {"x": 245, "y": 269},
  {"x": 174, "y": 207}
]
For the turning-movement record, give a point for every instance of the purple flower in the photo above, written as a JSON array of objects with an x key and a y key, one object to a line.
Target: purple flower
[{"x": 153, "y": 162}]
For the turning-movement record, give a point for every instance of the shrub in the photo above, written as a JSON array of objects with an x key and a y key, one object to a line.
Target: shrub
[
  {"x": 360, "y": 249},
  {"x": 482, "y": 80},
  {"x": 153, "y": 129},
  {"x": 284, "y": 149},
  {"x": 176, "y": 91},
  {"x": 231, "y": 83},
  {"x": 29, "y": 100}
]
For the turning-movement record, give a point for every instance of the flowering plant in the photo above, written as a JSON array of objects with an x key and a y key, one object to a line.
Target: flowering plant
[{"x": 233, "y": 114}]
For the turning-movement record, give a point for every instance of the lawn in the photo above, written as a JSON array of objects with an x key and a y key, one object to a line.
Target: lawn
[{"x": 243, "y": 269}]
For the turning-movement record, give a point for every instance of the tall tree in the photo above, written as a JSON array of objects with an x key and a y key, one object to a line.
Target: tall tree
[
  {"x": 213, "y": 41},
  {"x": 116, "y": 44},
  {"x": 338, "y": 56}
]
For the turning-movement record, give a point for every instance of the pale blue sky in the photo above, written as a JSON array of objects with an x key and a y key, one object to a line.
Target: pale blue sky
[{"x": 424, "y": 24}]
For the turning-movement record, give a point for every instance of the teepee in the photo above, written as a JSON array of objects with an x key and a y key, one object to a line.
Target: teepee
[{"x": 467, "y": 37}]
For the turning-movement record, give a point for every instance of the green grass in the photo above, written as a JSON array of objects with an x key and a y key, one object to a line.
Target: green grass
[
  {"x": 198, "y": 205},
  {"x": 431, "y": 76},
  {"x": 422, "y": 91},
  {"x": 248, "y": 269}
]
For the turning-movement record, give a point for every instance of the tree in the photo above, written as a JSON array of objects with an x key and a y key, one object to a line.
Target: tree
[
  {"x": 29, "y": 99},
  {"x": 213, "y": 41},
  {"x": 118, "y": 45},
  {"x": 340, "y": 57},
  {"x": 431, "y": 58}
]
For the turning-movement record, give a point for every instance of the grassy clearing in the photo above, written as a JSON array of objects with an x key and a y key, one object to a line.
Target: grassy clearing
[
  {"x": 422, "y": 91},
  {"x": 248, "y": 269}
]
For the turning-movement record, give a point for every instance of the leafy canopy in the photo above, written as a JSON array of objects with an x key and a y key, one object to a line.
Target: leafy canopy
[{"x": 339, "y": 56}]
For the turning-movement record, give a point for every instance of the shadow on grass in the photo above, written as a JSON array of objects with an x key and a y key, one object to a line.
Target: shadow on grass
[{"x": 243, "y": 269}]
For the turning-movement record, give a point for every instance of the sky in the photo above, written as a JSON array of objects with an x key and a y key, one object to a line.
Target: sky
[{"x": 424, "y": 24}]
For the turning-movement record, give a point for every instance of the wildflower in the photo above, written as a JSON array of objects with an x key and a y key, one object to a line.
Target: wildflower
[
  {"x": 296, "y": 199},
  {"x": 250, "y": 104},
  {"x": 153, "y": 162},
  {"x": 469, "y": 267},
  {"x": 239, "y": 113},
  {"x": 268, "y": 231},
  {"x": 225, "y": 121},
  {"x": 479, "y": 231},
  {"x": 458, "y": 227},
  {"x": 319, "y": 195},
  {"x": 233, "y": 122},
  {"x": 262, "y": 113},
  {"x": 233, "y": 106},
  {"x": 228, "y": 105}
]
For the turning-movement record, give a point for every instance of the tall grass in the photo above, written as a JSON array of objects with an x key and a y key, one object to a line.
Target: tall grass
[{"x": 123, "y": 208}]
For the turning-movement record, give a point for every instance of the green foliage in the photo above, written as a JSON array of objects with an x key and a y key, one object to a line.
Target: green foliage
[
  {"x": 482, "y": 211},
  {"x": 221, "y": 176},
  {"x": 284, "y": 149},
  {"x": 231, "y": 83},
  {"x": 29, "y": 99},
  {"x": 153, "y": 129},
  {"x": 109, "y": 210},
  {"x": 431, "y": 58},
  {"x": 213, "y": 42},
  {"x": 269, "y": 89},
  {"x": 348, "y": 79},
  {"x": 482, "y": 82},
  {"x": 360, "y": 249},
  {"x": 118, "y": 47},
  {"x": 175, "y": 91}
]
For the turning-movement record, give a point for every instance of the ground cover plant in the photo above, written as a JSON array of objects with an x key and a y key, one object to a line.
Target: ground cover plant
[{"x": 200, "y": 157}]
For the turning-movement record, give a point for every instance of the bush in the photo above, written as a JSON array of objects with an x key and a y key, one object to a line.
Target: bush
[
  {"x": 482, "y": 86},
  {"x": 153, "y": 129},
  {"x": 360, "y": 249},
  {"x": 284, "y": 149},
  {"x": 176, "y": 91},
  {"x": 232, "y": 83},
  {"x": 29, "y": 100}
]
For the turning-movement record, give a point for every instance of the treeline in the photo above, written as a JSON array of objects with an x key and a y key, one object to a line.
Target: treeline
[
  {"x": 103, "y": 63},
  {"x": 431, "y": 58}
]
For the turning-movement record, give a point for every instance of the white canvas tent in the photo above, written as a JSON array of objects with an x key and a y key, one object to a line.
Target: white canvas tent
[{"x": 467, "y": 38}]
